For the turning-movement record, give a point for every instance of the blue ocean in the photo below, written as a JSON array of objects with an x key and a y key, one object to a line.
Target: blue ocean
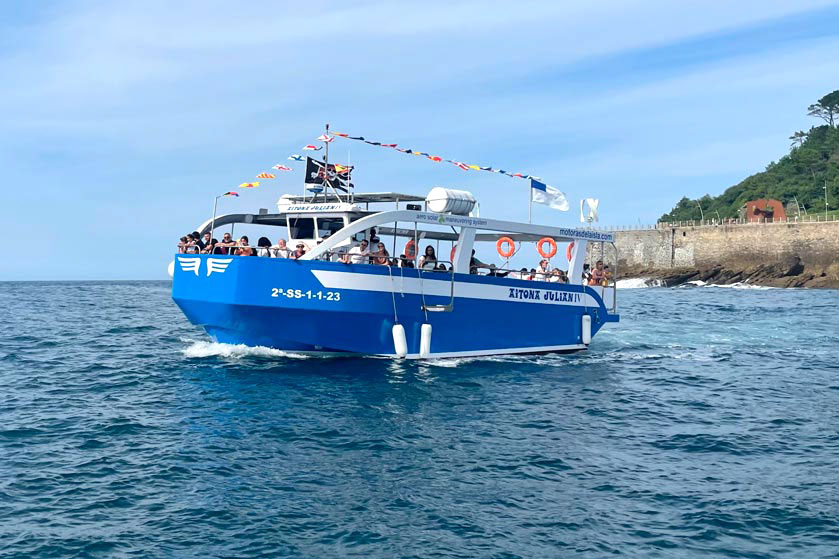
[{"x": 705, "y": 424}]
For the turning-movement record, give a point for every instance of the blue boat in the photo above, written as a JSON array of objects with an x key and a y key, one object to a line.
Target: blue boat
[{"x": 334, "y": 300}]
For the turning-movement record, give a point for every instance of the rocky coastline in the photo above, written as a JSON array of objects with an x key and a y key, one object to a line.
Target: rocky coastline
[{"x": 792, "y": 272}]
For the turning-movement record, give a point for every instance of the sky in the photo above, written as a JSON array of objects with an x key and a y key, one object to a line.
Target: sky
[{"x": 121, "y": 121}]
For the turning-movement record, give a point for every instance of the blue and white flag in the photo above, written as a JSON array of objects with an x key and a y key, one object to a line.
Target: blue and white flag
[{"x": 548, "y": 195}]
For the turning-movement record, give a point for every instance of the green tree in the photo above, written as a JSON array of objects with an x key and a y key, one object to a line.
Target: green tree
[
  {"x": 797, "y": 138},
  {"x": 826, "y": 108}
]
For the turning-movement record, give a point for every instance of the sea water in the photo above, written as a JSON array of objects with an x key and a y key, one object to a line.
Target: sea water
[{"x": 705, "y": 424}]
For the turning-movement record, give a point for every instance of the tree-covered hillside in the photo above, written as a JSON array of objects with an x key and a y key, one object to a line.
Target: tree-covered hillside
[{"x": 799, "y": 176}]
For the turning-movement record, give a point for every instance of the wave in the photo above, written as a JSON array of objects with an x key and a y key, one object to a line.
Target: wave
[
  {"x": 638, "y": 283},
  {"x": 200, "y": 349}
]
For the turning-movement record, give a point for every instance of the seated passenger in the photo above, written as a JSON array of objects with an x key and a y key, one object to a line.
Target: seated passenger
[
  {"x": 299, "y": 250},
  {"x": 532, "y": 275},
  {"x": 280, "y": 250},
  {"x": 404, "y": 262},
  {"x": 597, "y": 274},
  {"x": 207, "y": 239},
  {"x": 357, "y": 254},
  {"x": 381, "y": 257},
  {"x": 226, "y": 245},
  {"x": 586, "y": 274},
  {"x": 440, "y": 268},
  {"x": 182, "y": 245},
  {"x": 264, "y": 249},
  {"x": 428, "y": 261},
  {"x": 556, "y": 276},
  {"x": 243, "y": 248}
]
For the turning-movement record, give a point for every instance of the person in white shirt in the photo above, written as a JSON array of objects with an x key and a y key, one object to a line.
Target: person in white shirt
[
  {"x": 280, "y": 250},
  {"x": 358, "y": 254},
  {"x": 543, "y": 271}
]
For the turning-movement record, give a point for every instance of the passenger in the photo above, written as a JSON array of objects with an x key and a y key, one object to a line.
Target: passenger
[
  {"x": 543, "y": 271},
  {"x": 495, "y": 272},
  {"x": 556, "y": 276},
  {"x": 381, "y": 257},
  {"x": 299, "y": 250},
  {"x": 440, "y": 268},
  {"x": 563, "y": 277},
  {"x": 182, "y": 245},
  {"x": 198, "y": 242},
  {"x": 372, "y": 238},
  {"x": 357, "y": 254},
  {"x": 428, "y": 260},
  {"x": 207, "y": 240},
  {"x": 586, "y": 274},
  {"x": 607, "y": 276},
  {"x": 264, "y": 249},
  {"x": 532, "y": 274},
  {"x": 597, "y": 274},
  {"x": 475, "y": 264},
  {"x": 226, "y": 245},
  {"x": 211, "y": 247},
  {"x": 243, "y": 248},
  {"x": 190, "y": 247},
  {"x": 280, "y": 250},
  {"x": 404, "y": 262}
]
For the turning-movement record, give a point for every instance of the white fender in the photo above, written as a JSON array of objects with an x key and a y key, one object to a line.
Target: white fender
[
  {"x": 586, "y": 329},
  {"x": 171, "y": 269},
  {"x": 425, "y": 341},
  {"x": 400, "y": 344}
]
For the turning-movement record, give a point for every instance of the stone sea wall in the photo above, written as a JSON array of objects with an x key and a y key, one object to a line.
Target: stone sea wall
[{"x": 780, "y": 254}]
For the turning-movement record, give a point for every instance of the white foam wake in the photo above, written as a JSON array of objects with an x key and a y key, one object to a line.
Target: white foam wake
[
  {"x": 742, "y": 285},
  {"x": 200, "y": 349},
  {"x": 638, "y": 283}
]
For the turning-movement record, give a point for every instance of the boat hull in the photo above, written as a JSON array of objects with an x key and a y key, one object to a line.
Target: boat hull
[{"x": 329, "y": 307}]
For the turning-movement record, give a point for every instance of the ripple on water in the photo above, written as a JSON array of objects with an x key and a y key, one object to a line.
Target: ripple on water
[{"x": 690, "y": 429}]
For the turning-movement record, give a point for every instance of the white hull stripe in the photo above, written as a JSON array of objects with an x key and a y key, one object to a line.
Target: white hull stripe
[{"x": 435, "y": 287}]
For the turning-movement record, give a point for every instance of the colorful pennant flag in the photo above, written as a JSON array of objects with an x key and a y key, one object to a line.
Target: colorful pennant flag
[
  {"x": 326, "y": 138},
  {"x": 310, "y": 147},
  {"x": 281, "y": 167},
  {"x": 230, "y": 194},
  {"x": 296, "y": 157},
  {"x": 266, "y": 176},
  {"x": 464, "y": 166},
  {"x": 249, "y": 185}
]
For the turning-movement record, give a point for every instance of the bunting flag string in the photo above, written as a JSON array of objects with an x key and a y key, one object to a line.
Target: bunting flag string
[
  {"x": 280, "y": 167},
  {"x": 249, "y": 185},
  {"x": 231, "y": 193},
  {"x": 266, "y": 176},
  {"x": 296, "y": 157},
  {"x": 311, "y": 147},
  {"x": 435, "y": 158}
]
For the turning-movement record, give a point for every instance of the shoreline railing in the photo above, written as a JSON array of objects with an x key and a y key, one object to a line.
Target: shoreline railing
[{"x": 722, "y": 222}]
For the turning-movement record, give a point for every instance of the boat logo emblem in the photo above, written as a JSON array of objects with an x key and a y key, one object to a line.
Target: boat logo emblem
[{"x": 218, "y": 265}]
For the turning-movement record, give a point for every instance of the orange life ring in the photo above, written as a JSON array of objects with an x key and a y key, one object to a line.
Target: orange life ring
[
  {"x": 550, "y": 242},
  {"x": 410, "y": 250},
  {"x": 568, "y": 251},
  {"x": 505, "y": 253},
  {"x": 451, "y": 255}
]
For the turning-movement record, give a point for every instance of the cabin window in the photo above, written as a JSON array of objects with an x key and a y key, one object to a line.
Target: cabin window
[
  {"x": 329, "y": 225},
  {"x": 301, "y": 227}
]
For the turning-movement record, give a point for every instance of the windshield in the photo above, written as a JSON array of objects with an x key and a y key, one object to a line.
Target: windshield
[{"x": 301, "y": 227}]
